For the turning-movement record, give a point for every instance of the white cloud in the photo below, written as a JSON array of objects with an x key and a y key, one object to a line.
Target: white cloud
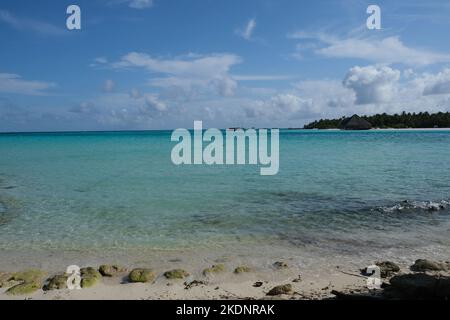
[
  {"x": 109, "y": 86},
  {"x": 187, "y": 74},
  {"x": 247, "y": 32},
  {"x": 372, "y": 84},
  {"x": 140, "y": 4},
  {"x": 378, "y": 50},
  {"x": 13, "y": 83},
  {"x": 438, "y": 83},
  {"x": 37, "y": 26}
]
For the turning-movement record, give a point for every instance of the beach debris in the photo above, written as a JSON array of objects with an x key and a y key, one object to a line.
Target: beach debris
[
  {"x": 217, "y": 268},
  {"x": 56, "y": 282},
  {"x": 387, "y": 269},
  {"x": 281, "y": 289},
  {"x": 258, "y": 284},
  {"x": 30, "y": 281},
  {"x": 113, "y": 270},
  {"x": 242, "y": 269},
  {"x": 89, "y": 277},
  {"x": 280, "y": 265},
  {"x": 176, "y": 274},
  {"x": 353, "y": 295},
  {"x": 194, "y": 283},
  {"x": 418, "y": 286},
  {"x": 422, "y": 265},
  {"x": 298, "y": 279},
  {"x": 141, "y": 275}
]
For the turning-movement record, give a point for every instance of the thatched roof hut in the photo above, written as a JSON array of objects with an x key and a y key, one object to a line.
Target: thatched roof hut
[{"x": 355, "y": 122}]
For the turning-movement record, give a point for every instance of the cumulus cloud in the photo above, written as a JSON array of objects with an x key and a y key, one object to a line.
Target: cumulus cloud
[
  {"x": 378, "y": 50},
  {"x": 438, "y": 83},
  {"x": 372, "y": 84},
  {"x": 247, "y": 32},
  {"x": 13, "y": 83},
  {"x": 281, "y": 106}
]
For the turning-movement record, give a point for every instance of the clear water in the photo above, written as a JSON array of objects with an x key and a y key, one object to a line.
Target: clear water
[{"x": 116, "y": 191}]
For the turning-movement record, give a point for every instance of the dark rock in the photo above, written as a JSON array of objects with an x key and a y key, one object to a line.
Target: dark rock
[
  {"x": 280, "y": 265},
  {"x": 419, "y": 286},
  {"x": 422, "y": 265},
  {"x": 258, "y": 284},
  {"x": 57, "y": 282},
  {"x": 282, "y": 289}
]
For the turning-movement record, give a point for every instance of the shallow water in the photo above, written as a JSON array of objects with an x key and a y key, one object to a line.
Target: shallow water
[{"x": 340, "y": 191}]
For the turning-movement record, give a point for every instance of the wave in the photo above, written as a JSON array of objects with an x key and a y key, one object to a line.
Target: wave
[{"x": 416, "y": 205}]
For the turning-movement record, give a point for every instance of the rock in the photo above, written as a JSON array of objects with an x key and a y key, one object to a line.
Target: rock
[
  {"x": 141, "y": 275},
  {"x": 419, "y": 286},
  {"x": 258, "y": 284},
  {"x": 280, "y": 265},
  {"x": 89, "y": 277},
  {"x": 30, "y": 281},
  {"x": 194, "y": 283},
  {"x": 387, "y": 268},
  {"x": 242, "y": 269},
  {"x": 282, "y": 289},
  {"x": 422, "y": 265},
  {"x": 214, "y": 269},
  {"x": 5, "y": 280},
  {"x": 57, "y": 282},
  {"x": 340, "y": 295},
  {"x": 176, "y": 274},
  {"x": 107, "y": 270}
]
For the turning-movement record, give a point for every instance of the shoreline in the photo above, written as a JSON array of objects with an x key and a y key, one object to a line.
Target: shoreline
[{"x": 310, "y": 278}]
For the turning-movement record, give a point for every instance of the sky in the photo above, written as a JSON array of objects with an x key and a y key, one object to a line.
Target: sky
[{"x": 161, "y": 64}]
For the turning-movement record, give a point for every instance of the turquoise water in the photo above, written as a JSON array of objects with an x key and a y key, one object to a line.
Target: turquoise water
[{"x": 109, "y": 191}]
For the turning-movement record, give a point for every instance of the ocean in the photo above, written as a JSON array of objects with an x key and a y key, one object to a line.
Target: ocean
[{"x": 337, "y": 193}]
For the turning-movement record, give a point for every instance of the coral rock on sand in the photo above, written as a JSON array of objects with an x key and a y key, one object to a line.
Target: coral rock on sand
[
  {"x": 419, "y": 286},
  {"x": 282, "y": 289},
  {"x": 214, "y": 269},
  {"x": 89, "y": 277},
  {"x": 57, "y": 282},
  {"x": 176, "y": 274},
  {"x": 242, "y": 269},
  {"x": 5, "y": 280},
  {"x": 422, "y": 265},
  {"x": 30, "y": 281},
  {"x": 141, "y": 275},
  {"x": 107, "y": 270}
]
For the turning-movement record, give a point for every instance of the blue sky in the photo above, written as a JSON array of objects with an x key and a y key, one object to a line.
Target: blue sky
[{"x": 161, "y": 64}]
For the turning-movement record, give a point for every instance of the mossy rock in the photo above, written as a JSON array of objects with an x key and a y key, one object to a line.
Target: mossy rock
[
  {"x": 280, "y": 265},
  {"x": 422, "y": 265},
  {"x": 176, "y": 274},
  {"x": 24, "y": 288},
  {"x": 89, "y": 277},
  {"x": 113, "y": 270},
  {"x": 141, "y": 275},
  {"x": 282, "y": 289},
  {"x": 242, "y": 269},
  {"x": 387, "y": 268},
  {"x": 57, "y": 282},
  {"x": 6, "y": 280},
  {"x": 218, "y": 268},
  {"x": 28, "y": 276}
]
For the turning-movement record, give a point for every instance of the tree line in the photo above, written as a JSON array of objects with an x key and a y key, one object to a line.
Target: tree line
[{"x": 397, "y": 121}]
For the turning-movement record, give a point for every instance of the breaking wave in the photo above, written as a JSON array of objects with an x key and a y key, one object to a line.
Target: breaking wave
[{"x": 406, "y": 206}]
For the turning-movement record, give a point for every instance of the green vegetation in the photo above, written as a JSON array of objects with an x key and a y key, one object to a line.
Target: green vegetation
[{"x": 397, "y": 121}]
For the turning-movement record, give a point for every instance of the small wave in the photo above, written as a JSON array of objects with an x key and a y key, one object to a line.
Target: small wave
[{"x": 416, "y": 205}]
